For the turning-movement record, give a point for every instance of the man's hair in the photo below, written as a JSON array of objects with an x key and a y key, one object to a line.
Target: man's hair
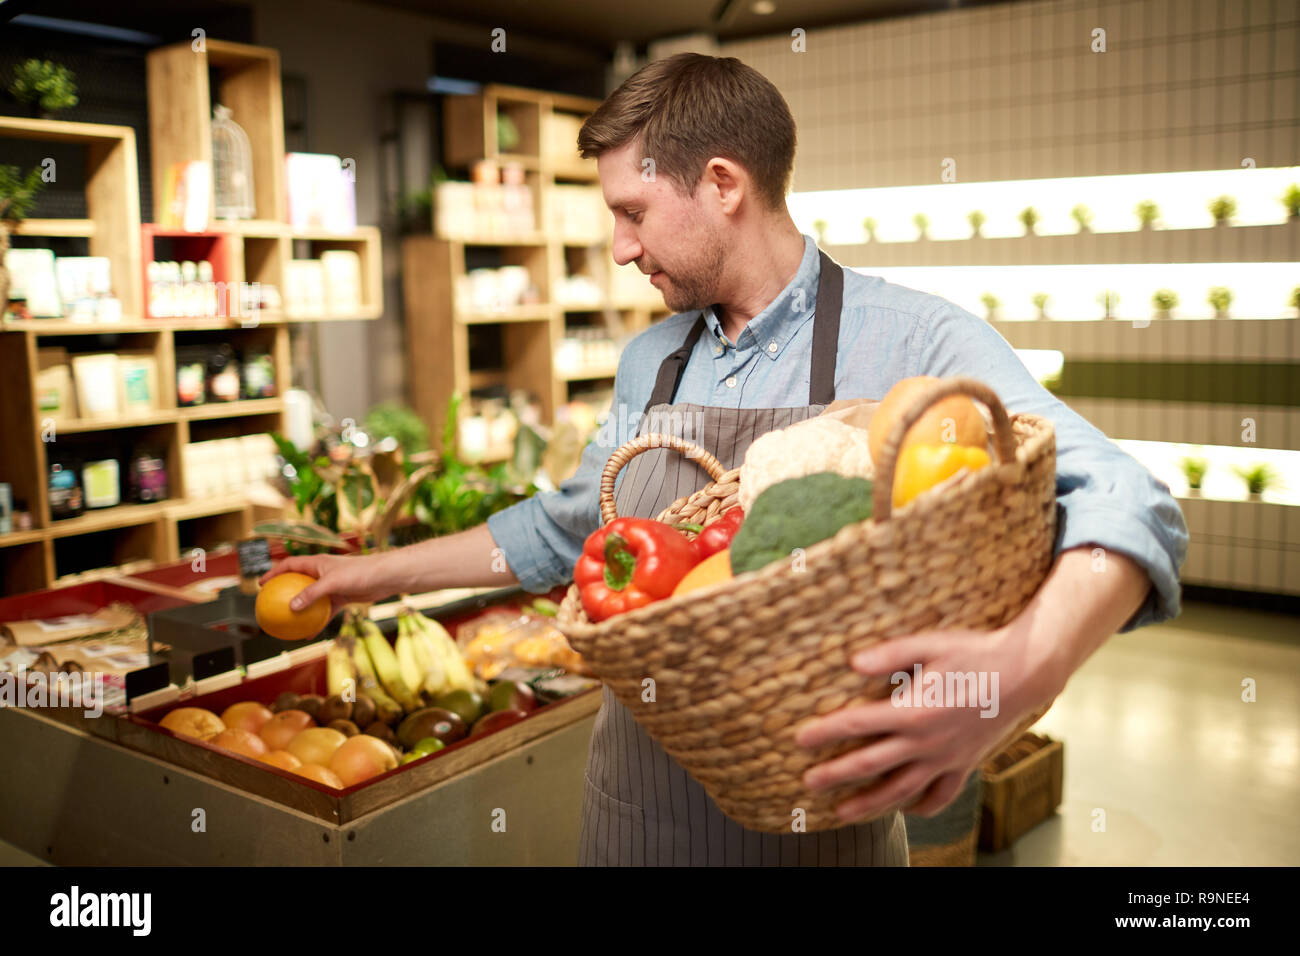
[{"x": 688, "y": 108}]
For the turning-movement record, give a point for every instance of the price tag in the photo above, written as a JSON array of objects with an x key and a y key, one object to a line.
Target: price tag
[
  {"x": 211, "y": 663},
  {"x": 147, "y": 680},
  {"x": 254, "y": 557}
]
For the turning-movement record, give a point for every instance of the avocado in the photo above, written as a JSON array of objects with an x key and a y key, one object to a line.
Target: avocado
[
  {"x": 465, "y": 703},
  {"x": 446, "y": 725}
]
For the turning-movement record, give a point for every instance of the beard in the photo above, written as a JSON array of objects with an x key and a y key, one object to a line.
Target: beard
[{"x": 694, "y": 286}]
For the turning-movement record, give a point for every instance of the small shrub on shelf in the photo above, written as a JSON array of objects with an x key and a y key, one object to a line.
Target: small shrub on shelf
[
  {"x": 45, "y": 86},
  {"x": 1148, "y": 213},
  {"x": 17, "y": 196},
  {"x": 1223, "y": 208},
  {"x": 1194, "y": 470},
  {"x": 922, "y": 223},
  {"x": 869, "y": 227},
  {"x": 1164, "y": 300},
  {"x": 991, "y": 305},
  {"x": 1083, "y": 216},
  {"x": 820, "y": 226},
  {"x": 1040, "y": 300},
  {"x": 1291, "y": 199},
  {"x": 1029, "y": 217},
  {"x": 1220, "y": 297},
  {"x": 1108, "y": 299},
  {"x": 976, "y": 219},
  {"x": 1258, "y": 478},
  {"x": 1295, "y": 298}
]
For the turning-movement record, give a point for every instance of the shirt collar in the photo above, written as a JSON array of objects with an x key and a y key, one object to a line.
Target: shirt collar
[{"x": 784, "y": 315}]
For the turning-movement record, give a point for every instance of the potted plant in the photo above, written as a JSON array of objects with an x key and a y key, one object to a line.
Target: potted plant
[
  {"x": 1164, "y": 300},
  {"x": 1194, "y": 470},
  {"x": 1291, "y": 199},
  {"x": 991, "y": 304},
  {"x": 1258, "y": 479},
  {"x": 922, "y": 223},
  {"x": 1223, "y": 209},
  {"x": 45, "y": 87},
  {"x": 1083, "y": 216},
  {"x": 1147, "y": 212},
  {"x": 1220, "y": 297},
  {"x": 1040, "y": 300},
  {"x": 820, "y": 226},
  {"x": 17, "y": 196},
  {"x": 976, "y": 219},
  {"x": 1295, "y": 298},
  {"x": 1108, "y": 299},
  {"x": 869, "y": 227},
  {"x": 1029, "y": 216}
]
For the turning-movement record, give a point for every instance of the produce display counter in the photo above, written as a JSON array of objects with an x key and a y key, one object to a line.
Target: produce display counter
[{"x": 123, "y": 790}]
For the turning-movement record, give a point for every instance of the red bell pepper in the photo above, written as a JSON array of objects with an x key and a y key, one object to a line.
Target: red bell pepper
[
  {"x": 629, "y": 563},
  {"x": 717, "y": 536}
]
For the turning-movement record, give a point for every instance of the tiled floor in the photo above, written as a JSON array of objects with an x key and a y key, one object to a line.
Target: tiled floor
[{"x": 1158, "y": 737}]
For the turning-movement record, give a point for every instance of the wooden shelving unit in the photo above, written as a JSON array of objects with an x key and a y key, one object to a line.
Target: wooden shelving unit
[
  {"x": 258, "y": 250},
  {"x": 438, "y": 329}
]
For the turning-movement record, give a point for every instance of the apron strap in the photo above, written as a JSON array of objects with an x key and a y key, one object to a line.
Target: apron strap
[
  {"x": 826, "y": 332},
  {"x": 672, "y": 368},
  {"x": 825, "y": 344}
]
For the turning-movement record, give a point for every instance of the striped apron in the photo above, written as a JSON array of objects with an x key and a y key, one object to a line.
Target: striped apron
[{"x": 640, "y": 808}]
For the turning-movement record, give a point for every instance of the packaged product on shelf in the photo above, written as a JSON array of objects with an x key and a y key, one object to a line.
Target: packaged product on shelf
[
  {"x": 55, "y": 396},
  {"x": 137, "y": 382},
  {"x": 97, "y": 387},
  {"x": 101, "y": 481},
  {"x": 223, "y": 383},
  {"x": 6, "y": 507},
  {"x": 341, "y": 269},
  {"x": 498, "y": 640},
  {"x": 191, "y": 376},
  {"x": 32, "y": 279},
  {"x": 65, "y": 497},
  {"x": 147, "y": 477},
  {"x": 259, "y": 374}
]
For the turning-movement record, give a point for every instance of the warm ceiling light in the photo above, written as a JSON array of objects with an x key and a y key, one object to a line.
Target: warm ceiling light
[{"x": 763, "y": 7}]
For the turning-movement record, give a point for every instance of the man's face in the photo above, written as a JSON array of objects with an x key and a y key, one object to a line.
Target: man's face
[{"x": 672, "y": 237}]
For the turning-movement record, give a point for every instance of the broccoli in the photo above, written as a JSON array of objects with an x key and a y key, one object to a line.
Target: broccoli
[{"x": 797, "y": 513}]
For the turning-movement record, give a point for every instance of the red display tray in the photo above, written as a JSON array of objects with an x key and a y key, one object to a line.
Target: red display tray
[{"x": 84, "y": 599}]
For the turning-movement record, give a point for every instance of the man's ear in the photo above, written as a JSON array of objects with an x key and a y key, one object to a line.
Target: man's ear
[{"x": 728, "y": 181}]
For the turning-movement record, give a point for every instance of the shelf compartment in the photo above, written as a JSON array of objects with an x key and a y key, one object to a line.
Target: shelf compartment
[
  {"x": 112, "y": 195},
  {"x": 180, "y": 112}
]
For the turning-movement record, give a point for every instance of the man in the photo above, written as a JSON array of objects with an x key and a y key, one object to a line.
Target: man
[{"x": 695, "y": 155}]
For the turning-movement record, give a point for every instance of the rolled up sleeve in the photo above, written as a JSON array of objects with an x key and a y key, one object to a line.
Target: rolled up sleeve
[
  {"x": 1105, "y": 497},
  {"x": 541, "y": 537}
]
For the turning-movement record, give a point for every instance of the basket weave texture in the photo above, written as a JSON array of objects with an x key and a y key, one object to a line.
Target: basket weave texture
[{"x": 739, "y": 666}]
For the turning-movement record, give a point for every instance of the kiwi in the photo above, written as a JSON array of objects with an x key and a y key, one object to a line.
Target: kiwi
[
  {"x": 381, "y": 730},
  {"x": 334, "y": 708},
  {"x": 311, "y": 703},
  {"x": 363, "y": 711},
  {"x": 346, "y": 727},
  {"x": 286, "y": 701}
]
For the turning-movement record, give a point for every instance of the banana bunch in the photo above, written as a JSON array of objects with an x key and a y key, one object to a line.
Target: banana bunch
[
  {"x": 350, "y": 663},
  {"x": 429, "y": 658}
]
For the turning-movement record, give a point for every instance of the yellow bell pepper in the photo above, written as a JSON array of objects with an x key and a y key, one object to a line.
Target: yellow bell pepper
[{"x": 920, "y": 467}]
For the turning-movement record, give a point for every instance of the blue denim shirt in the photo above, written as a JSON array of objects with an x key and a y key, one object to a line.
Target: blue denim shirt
[{"x": 887, "y": 332}]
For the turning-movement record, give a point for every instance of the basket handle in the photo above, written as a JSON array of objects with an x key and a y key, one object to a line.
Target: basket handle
[
  {"x": 636, "y": 446},
  {"x": 1004, "y": 441}
]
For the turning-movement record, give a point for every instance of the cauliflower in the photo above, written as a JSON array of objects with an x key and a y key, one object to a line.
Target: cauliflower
[{"x": 805, "y": 448}]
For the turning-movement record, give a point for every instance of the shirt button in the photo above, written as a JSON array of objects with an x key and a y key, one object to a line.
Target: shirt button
[
  {"x": 731, "y": 382},
  {"x": 717, "y": 350},
  {"x": 771, "y": 346}
]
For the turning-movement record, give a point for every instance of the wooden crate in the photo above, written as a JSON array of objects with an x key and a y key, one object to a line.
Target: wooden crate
[{"x": 1022, "y": 788}]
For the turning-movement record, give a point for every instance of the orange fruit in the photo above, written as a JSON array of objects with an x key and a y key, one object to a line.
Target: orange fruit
[
  {"x": 193, "y": 722},
  {"x": 956, "y": 420},
  {"x": 713, "y": 569},
  {"x": 283, "y": 727},
  {"x": 314, "y": 772},
  {"x": 247, "y": 715},
  {"x": 316, "y": 745},
  {"x": 240, "y": 741},
  {"x": 282, "y": 759},
  {"x": 360, "y": 758},
  {"x": 279, "y": 620}
]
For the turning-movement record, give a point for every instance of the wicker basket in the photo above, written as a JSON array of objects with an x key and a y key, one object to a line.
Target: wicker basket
[
  {"x": 740, "y": 665},
  {"x": 1022, "y": 788}
]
